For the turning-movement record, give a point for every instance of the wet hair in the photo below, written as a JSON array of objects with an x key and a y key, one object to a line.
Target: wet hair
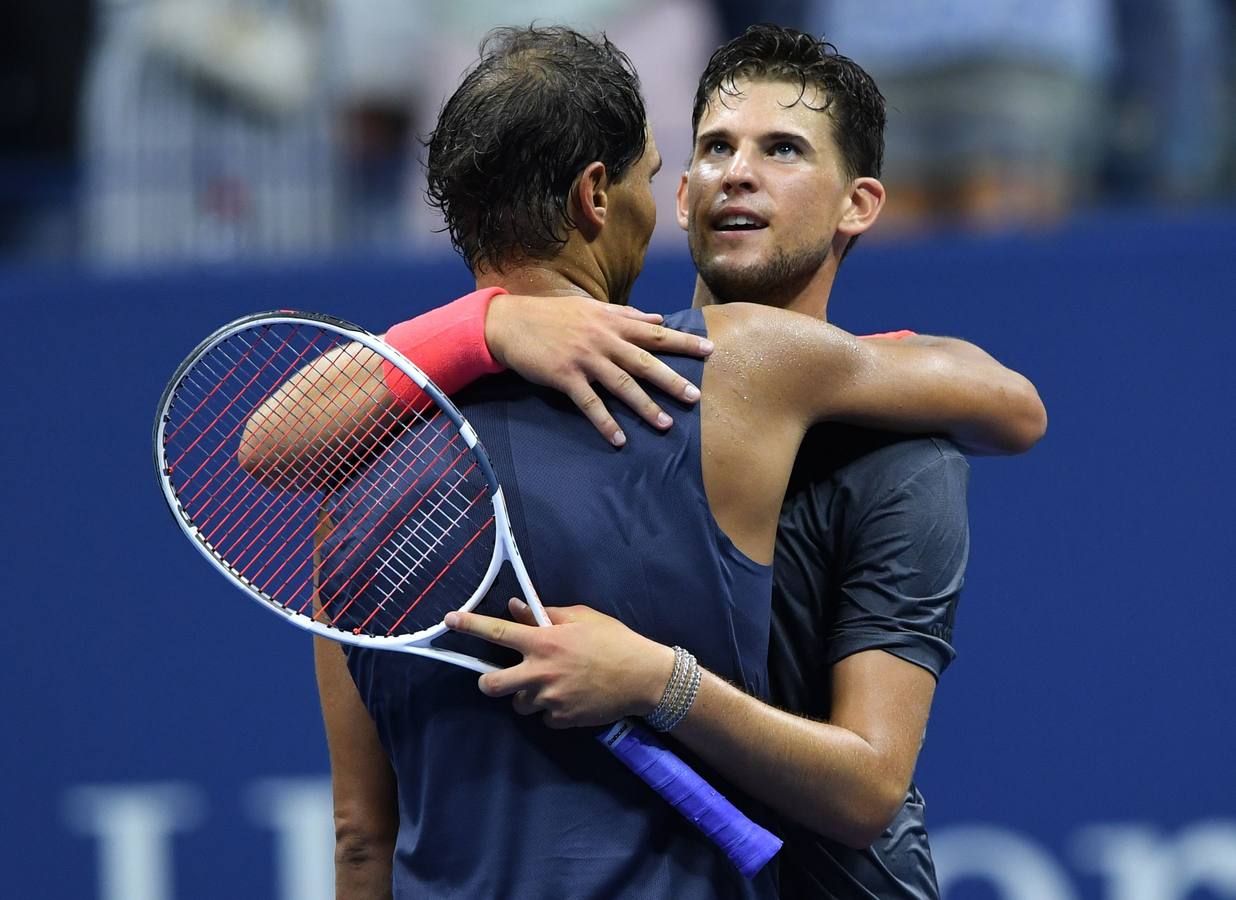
[
  {"x": 538, "y": 107},
  {"x": 848, "y": 94}
]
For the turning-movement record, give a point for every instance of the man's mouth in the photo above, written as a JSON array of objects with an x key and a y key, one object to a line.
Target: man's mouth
[{"x": 738, "y": 222}]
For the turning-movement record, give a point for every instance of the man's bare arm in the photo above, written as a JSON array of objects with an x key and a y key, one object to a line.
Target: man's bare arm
[
  {"x": 336, "y": 407},
  {"x": 362, "y": 781},
  {"x": 845, "y": 778},
  {"x": 1010, "y": 416},
  {"x": 919, "y": 385},
  {"x": 341, "y": 401}
]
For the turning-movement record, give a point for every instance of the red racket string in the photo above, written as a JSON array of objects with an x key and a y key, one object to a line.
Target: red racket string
[
  {"x": 436, "y": 579},
  {"x": 321, "y": 561},
  {"x": 398, "y": 583},
  {"x": 379, "y": 500},
  {"x": 209, "y": 427},
  {"x": 221, "y": 494},
  {"x": 236, "y": 512},
  {"x": 337, "y": 465},
  {"x": 324, "y": 469},
  {"x": 242, "y": 419},
  {"x": 206, "y": 509},
  {"x": 389, "y": 418},
  {"x": 171, "y": 436},
  {"x": 210, "y": 503},
  {"x": 466, "y": 453},
  {"x": 305, "y": 559}
]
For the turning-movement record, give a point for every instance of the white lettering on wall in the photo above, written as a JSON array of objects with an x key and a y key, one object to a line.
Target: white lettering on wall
[
  {"x": 1015, "y": 866},
  {"x": 133, "y": 825},
  {"x": 299, "y": 810},
  {"x": 1140, "y": 862}
]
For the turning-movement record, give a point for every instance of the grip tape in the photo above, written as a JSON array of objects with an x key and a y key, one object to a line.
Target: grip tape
[{"x": 748, "y": 845}]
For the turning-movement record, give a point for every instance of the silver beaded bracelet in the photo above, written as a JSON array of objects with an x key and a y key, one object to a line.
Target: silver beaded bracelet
[{"x": 684, "y": 684}]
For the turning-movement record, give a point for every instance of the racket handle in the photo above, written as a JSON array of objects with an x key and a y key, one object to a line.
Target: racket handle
[{"x": 748, "y": 845}]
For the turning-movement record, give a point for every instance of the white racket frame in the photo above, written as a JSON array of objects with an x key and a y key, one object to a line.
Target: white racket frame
[{"x": 419, "y": 643}]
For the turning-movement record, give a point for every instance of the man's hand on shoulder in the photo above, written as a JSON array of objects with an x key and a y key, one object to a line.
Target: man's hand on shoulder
[{"x": 571, "y": 343}]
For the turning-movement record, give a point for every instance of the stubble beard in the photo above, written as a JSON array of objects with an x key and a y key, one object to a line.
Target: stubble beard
[{"x": 773, "y": 281}]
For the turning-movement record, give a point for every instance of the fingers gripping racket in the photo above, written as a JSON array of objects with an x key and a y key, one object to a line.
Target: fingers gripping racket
[{"x": 369, "y": 555}]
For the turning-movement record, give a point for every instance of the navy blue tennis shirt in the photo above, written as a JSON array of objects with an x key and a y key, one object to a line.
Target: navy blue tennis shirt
[
  {"x": 871, "y": 555},
  {"x": 496, "y": 805}
]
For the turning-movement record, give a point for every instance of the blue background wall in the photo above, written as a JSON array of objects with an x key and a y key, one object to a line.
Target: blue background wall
[{"x": 1082, "y": 745}]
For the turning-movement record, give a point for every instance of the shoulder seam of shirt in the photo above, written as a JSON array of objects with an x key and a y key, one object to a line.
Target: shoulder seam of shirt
[{"x": 942, "y": 458}]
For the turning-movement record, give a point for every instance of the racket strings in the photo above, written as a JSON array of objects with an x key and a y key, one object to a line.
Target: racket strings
[
  {"x": 222, "y": 513},
  {"x": 308, "y": 468},
  {"x": 329, "y": 468},
  {"x": 398, "y": 568},
  {"x": 406, "y": 541},
  {"x": 217, "y": 494},
  {"x": 216, "y": 516},
  {"x": 226, "y": 410},
  {"x": 378, "y": 490},
  {"x": 391, "y": 583},
  {"x": 200, "y": 483},
  {"x": 373, "y": 429},
  {"x": 415, "y": 534}
]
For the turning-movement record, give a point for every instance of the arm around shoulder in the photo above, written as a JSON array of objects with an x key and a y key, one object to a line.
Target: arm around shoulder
[
  {"x": 914, "y": 385},
  {"x": 1018, "y": 419}
]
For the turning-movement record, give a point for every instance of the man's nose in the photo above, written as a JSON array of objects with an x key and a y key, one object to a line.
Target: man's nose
[{"x": 740, "y": 174}]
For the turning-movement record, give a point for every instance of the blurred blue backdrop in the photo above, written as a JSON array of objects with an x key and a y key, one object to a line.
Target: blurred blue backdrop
[{"x": 1082, "y": 744}]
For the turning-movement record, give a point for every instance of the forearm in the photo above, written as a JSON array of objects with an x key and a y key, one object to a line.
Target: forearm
[
  {"x": 925, "y": 384},
  {"x": 346, "y": 403},
  {"x": 1021, "y": 416},
  {"x": 363, "y": 785},
  {"x": 914, "y": 385},
  {"x": 331, "y": 409},
  {"x": 824, "y": 777},
  {"x": 362, "y": 869},
  {"x": 586, "y": 669}
]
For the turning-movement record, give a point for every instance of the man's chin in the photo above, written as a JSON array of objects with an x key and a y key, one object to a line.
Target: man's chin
[
  {"x": 775, "y": 280},
  {"x": 729, "y": 283}
]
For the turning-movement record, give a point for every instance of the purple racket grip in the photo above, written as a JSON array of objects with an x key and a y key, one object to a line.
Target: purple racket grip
[{"x": 747, "y": 845}]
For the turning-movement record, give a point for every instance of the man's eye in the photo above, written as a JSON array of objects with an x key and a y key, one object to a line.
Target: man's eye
[
  {"x": 717, "y": 147},
  {"x": 785, "y": 149}
]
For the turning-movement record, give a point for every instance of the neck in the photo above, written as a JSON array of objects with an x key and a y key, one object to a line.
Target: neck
[{"x": 545, "y": 278}]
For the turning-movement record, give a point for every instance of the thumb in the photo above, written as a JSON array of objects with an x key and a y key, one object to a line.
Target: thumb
[
  {"x": 521, "y": 612},
  {"x": 558, "y": 615}
]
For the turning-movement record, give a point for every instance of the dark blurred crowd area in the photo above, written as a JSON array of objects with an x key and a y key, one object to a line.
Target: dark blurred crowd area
[{"x": 163, "y": 131}]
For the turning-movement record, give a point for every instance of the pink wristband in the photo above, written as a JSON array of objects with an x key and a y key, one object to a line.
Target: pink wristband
[
  {"x": 888, "y": 335},
  {"x": 447, "y": 344}
]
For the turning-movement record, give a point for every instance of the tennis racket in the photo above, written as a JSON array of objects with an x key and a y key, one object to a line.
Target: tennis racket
[{"x": 341, "y": 548}]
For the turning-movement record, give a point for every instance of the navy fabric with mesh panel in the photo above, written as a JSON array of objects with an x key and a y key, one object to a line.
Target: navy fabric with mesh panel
[{"x": 493, "y": 804}]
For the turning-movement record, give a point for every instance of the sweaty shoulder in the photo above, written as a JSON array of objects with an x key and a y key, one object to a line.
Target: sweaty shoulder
[
  {"x": 750, "y": 427},
  {"x": 801, "y": 367}
]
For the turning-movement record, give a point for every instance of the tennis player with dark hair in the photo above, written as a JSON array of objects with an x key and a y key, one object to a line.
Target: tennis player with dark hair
[
  {"x": 873, "y": 537},
  {"x": 668, "y": 540}
]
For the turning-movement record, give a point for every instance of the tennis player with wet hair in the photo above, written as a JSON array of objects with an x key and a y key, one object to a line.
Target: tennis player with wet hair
[{"x": 441, "y": 791}]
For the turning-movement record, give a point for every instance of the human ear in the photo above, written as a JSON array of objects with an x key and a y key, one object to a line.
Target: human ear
[
  {"x": 863, "y": 206},
  {"x": 590, "y": 199},
  {"x": 683, "y": 218}
]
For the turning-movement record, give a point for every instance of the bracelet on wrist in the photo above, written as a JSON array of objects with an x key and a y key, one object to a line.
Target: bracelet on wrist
[{"x": 679, "y": 695}]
